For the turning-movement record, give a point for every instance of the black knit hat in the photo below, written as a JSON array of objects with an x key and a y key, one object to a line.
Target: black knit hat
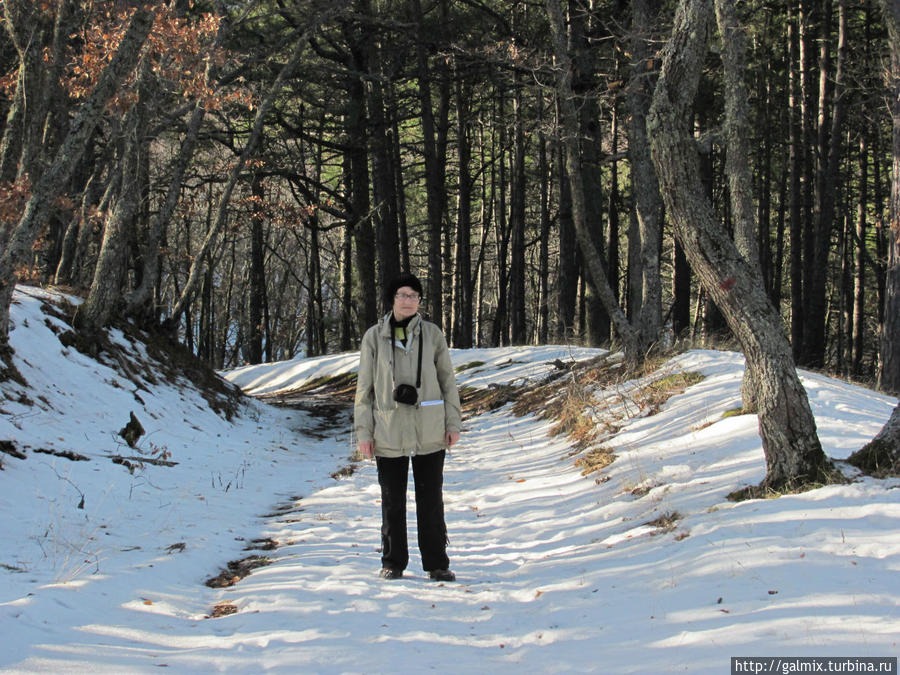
[{"x": 405, "y": 279}]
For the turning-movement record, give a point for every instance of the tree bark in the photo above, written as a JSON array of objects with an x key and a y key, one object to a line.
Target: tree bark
[
  {"x": 462, "y": 286},
  {"x": 544, "y": 256},
  {"x": 256, "y": 294},
  {"x": 517, "y": 272},
  {"x": 737, "y": 159},
  {"x": 829, "y": 151},
  {"x": 140, "y": 303},
  {"x": 567, "y": 271},
  {"x": 880, "y": 457},
  {"x": 648, "y": 203},
  {"x": 791, "y": 446},
  {"x": 387, "y": 229},
  {"x": 584, "y": 56},
  {"x": 796, "y": 155}
]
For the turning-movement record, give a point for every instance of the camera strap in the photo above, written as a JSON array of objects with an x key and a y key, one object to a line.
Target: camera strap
[{"x": 418, "y": 366}]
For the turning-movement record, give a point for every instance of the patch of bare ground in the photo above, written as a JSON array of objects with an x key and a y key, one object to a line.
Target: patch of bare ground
[
  {"x": 665, "y": 523},
  {"x": 595, "y": 460},
  {"x": 237, "y": 570},
  {"x": 222, "y": 609}
]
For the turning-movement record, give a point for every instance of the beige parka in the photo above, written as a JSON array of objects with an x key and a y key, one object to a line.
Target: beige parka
[{"x": 396, "y": 428}]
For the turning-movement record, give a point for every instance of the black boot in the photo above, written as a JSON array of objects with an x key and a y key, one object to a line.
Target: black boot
[{"x": 441, "y": 575}]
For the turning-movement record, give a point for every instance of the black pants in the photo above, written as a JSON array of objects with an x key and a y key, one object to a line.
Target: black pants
[{"x": 393, "y": 477}]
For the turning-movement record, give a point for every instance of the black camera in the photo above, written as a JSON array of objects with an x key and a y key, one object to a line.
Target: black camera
[{"x": 406, "y": 393}]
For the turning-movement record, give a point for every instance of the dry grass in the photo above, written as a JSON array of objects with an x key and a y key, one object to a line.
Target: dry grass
[
  {"x": 595, "y": 460},
  {"x": 652, "y": 396},
  {"x": 568, "y": 398},
  {"x": 666, "y": 522},
  {"x": 478, "y": 401}
]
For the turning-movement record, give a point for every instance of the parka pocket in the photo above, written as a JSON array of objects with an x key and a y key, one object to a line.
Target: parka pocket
[{"x": 432, "y": 425}]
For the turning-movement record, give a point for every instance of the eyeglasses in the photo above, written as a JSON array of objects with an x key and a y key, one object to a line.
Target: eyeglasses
[{"x": 414, "y": 297}]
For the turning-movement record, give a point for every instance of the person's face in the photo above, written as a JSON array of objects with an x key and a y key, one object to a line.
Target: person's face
[{"x": 406, "y": 303}]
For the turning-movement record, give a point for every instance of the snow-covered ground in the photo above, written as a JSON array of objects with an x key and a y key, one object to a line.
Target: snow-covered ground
[{"x": 103, "y": 568}]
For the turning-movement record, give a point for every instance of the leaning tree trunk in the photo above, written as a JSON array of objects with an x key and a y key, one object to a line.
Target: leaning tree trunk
[
  {"x": 737, "y": 160},
  {"x": 788, "y": 430},
  {"x": 224, "y": 203}
]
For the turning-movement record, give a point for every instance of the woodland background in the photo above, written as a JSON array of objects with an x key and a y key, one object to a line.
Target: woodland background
[{"x": 247, "y": 174}]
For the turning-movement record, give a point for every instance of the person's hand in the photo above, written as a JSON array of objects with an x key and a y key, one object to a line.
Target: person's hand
[
  {"x": 451, "y": 437},
  {"x": 367, "y": 448}
]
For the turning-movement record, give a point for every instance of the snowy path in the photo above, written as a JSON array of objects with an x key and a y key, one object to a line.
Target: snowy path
[{"x": 557, "y": 572}]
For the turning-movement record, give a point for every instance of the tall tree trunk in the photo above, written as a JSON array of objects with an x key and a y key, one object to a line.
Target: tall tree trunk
[
  {"x": 367, "y": 299},
  {"x": 612, "y": 212},
  {"x": 517, "y": 329},
  {"x": 796, "y": 156},
  {"x": 648, "y": 202},
  {"x": 256, "y": 294},
  {"x": 584, "y": 74},
  {"x": 791, "y": 446},
  {"x": 569, "y": 117},
  {"x": 859, "y": 279},
  {"x": 346, "y": 338},
  {"x": 681, "y": 292},
  {"x": 546, "y": 180},
  {"x": 829, "y": 151},
  {"x": 807, "y": 21},
  {"x": 889, "y": 370},
  {"x": 462, "y": 291},
  {"x": 434, "y": 173},
  {"x": 315, "y": 320},
  {"x": 387, "y": 227},
  {"x": 499, "y": 330},
  {"x": 399, "y": 191},
  {"x": 567, "y": 270}
]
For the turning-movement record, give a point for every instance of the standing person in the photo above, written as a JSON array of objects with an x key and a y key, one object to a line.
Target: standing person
[{"x": 407, "y": 407}]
